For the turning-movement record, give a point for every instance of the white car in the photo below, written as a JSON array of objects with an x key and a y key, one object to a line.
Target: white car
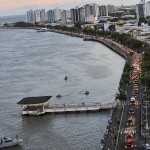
[{"x": 146, "y": 146}]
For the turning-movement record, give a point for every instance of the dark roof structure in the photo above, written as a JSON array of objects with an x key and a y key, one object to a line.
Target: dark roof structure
[{"x": 34, "y": 100}]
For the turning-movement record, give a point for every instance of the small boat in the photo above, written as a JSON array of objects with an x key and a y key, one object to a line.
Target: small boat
[
  {"x": 86, "y": 92},
  {"x": 9, "y": 142},
  {"x": 42, "y": 30},
  {"x": 59, "y": 96},
  {"x": 66, "y": 78}
]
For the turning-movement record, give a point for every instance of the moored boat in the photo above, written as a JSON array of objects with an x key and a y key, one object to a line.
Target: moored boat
[
  {"x": 9, "y": 142},
  {"x": 42, "y": 30}
]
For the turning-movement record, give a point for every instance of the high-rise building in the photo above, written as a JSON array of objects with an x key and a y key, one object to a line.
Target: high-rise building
[
  {"x": 54, "y": 15},
  {"x": 74, "y": 15},
  {"x": 81, "y": 13},
  {"x": 140, "y": 11},
  {"x": 111, "y": 9},
  {"x": 43, "y": 15},
  {"x": 37, "y": 15},
  {"x": 142, "y": 2},
  {"x": 91, "y": 9},
  {"x": 103, "y": 10},
  {"x": 147, "y": 7},
  {"x": 88, "y": 11},
  {"x": 30, "y": 16},
  {"x": 57, "y": 14},
  {"x": 63, "y": 17},
  {"x": 50, "y": 16},
  {"x": 68, "y": 14}
]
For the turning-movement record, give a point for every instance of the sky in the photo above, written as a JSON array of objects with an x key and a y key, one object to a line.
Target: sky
[{"x": 16, "y": 7}]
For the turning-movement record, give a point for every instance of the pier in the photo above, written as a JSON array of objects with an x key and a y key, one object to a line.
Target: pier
[
  {"x": 79, "y": 108},
  {"x": 41, "y": 105}
]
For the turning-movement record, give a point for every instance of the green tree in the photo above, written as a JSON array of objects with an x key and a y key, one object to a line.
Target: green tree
[
  {"x": 112, "y": 28},
  {"x": 121, "y": 96}
]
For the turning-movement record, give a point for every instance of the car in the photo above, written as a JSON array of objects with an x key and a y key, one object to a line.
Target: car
[
  {"x": 132, "y": 102},
  {"x": 146, "y": 146},
  {"x": 129, "y": 142},
  {"x": 132, "y": 98},
  {"x": 135, "y": 95},
  {"x": 131, "y": 111},
  {"x": 136, "y": 88},
  {"x": 135, "y": 91},
  {"x": 135, "y": 82},
  {"x": 130, "y": 121}
]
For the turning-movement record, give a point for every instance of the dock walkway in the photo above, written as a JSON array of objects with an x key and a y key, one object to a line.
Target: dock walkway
[{"x": 74, "y": 108}]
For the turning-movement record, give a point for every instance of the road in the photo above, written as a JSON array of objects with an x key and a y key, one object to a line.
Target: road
[{"x": 130, "y": 135}]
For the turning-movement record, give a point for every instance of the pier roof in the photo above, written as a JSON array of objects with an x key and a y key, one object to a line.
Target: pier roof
[{"x": 34, "y": 100}]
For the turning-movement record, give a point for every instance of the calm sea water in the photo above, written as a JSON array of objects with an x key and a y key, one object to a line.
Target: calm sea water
[{"x": 35, "y": 64}]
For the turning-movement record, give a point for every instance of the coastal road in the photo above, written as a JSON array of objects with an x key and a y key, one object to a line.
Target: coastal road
[{"x": 134, "y": 130}]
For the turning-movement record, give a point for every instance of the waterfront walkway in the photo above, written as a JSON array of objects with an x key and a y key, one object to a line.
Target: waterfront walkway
[
  {"x": 73, "y": 108},
  {"x": 67, "y": 108}
]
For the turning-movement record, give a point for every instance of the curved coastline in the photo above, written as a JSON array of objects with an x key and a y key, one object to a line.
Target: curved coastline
[
  {"x": 125, "y": 56},
  {"x": 109, "y": 46}
]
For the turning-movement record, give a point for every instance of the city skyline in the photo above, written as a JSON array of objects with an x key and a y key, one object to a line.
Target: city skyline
[{"x": 20, "y": 7}]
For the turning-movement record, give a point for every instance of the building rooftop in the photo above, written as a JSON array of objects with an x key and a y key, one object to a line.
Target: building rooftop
[{"x": 34, "y": 100}]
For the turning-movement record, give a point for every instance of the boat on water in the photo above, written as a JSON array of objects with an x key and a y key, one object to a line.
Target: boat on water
[
  {"x": 42, "y": 30},
  {"x": 66, "y": 78},
  {"x": 9, "y": 142}
]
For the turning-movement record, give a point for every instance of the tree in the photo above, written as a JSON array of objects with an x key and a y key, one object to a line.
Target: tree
[
  {"x": 77, "y": 25},
  {"x": 121, "y": 96},
  {"x": 112, "y": 28}
]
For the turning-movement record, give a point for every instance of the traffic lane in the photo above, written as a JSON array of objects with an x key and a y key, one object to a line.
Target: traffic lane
[
  {"x": 136, "y": 108},
  {"x": 124, "y": 119}
]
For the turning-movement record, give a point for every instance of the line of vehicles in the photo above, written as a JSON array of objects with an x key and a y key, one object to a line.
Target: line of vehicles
[{"x": 130, "y": 130}]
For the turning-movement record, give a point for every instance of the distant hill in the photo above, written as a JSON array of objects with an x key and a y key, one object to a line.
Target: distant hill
[{"x": 12, "y": 19}]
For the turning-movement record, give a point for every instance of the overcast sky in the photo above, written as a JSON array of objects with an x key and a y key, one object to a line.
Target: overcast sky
[{"x": 14, "y": 7}]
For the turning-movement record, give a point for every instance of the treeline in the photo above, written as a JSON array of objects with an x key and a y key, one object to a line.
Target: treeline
[
  {"x": 20, "y": 24},
  {"x": 23, "y": 24},
  {"x": 65, "y": 28},
  {"x": 122, "y": 38}
]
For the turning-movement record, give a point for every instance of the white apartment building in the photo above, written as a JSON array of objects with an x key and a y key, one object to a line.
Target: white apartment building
[
  {"x": 111, "y": 9},
  {"x": 147, "y": 7},
  {"x": 43, "y": 15},
  {"x": 57, "y": 14},
  {"x": 74, "y": 15},
  {"x": 81, "y": 12},
  {"x": 103, "y": 10},
  {"x": 91, "y": 10},
  {"x": 54, "y": 15},
  {"x": 37, "y": 15},
  {"x": 63, "y": 17},
  {"x": 30, "y": 16}
]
